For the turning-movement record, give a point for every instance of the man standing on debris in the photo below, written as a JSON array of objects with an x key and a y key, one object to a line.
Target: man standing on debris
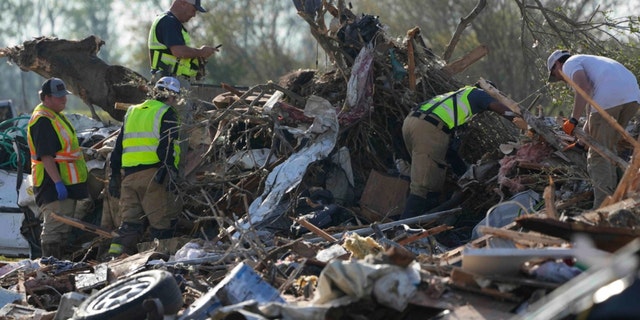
[
  {"x": 147, "y": 154},
  {"x": 426, "y": 132},
  {"x": 58, "y": 168},
  {"x": 170, "y": 50},
  {"x": 614, "y": 88}
]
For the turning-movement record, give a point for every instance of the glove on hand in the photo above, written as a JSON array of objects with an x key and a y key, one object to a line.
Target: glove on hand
[
  {"x": 173, "y": 180},
  {"x": 62, "y": 190},
  {"x": 114, "y": 185},
  {"x": 569, "y": 125},
  {"x": 520, "y": 123},
  {"x": 160, "y": 174}
]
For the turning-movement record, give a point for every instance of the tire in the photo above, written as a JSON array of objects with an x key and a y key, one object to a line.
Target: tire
[{"x": 123, "y": 299}]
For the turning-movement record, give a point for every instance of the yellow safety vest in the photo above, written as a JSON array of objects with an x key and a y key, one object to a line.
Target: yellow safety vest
[
  {"x": 141, "y": 136},
  {"x": 162, "y": 59},
  {"x": 71, "y": 164},
  {"x": 452, "y": 108}
]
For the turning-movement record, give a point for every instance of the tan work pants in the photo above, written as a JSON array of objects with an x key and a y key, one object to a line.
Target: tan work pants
[
  {"x": 427, "y": 145},
  {"x": 54, "y": 231},
  {"x": 141, "y": 197},
  {"x": 603, "y": 172}
]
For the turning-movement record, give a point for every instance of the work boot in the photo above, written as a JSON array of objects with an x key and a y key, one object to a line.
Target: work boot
[
  {"x": 51, "y": 250},
  {"x": 164, "y": 233},
  {"x": 417, "y": 205},
  {"x": 127, "y": 241}
]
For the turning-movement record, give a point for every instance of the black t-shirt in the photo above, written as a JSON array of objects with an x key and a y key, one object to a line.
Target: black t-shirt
[
  {"x": 479, "y": 100},
  {"x": 169, "y": 31},
  {"x": 46, "y": 143}
]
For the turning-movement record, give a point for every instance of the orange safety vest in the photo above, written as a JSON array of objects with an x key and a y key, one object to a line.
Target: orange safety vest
[{"x": 71, "y": 164}]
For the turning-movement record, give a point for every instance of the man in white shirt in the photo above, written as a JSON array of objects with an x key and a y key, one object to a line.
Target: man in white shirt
[{"x": 614, "y": 88}]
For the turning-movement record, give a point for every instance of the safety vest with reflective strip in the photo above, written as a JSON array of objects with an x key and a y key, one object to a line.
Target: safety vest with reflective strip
[
  {"x": 452, "y": 108},
  {"x": 141, "y": 136},
  {"x": 71, "y": 164},
  {"x": 162, "y": 59}
]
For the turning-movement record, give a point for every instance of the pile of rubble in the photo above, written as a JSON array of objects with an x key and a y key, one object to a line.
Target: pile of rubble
[{"x": 292, "y": 191}]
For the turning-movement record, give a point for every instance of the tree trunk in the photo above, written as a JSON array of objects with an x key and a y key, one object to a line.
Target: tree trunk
[{"x": 87, "y": 76}]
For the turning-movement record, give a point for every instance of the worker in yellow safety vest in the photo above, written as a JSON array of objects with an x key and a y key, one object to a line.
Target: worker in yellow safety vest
[
  {"x": 427, "y": 131},
  {"x": 144, "y": 169},
  {"x": 170, "y": 50},
  {"x": 58, "y": 168}
]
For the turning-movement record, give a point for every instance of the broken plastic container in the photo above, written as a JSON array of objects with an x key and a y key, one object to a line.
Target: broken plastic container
[{"x": 242, "y": 283}]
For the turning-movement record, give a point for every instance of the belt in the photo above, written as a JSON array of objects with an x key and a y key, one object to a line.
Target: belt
[{"x": 434, "y": 120}]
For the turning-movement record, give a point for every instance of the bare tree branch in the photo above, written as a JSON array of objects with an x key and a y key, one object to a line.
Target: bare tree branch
[{"x": 464, "y": 22}]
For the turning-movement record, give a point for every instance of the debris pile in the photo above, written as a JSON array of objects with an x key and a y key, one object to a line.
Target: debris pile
[{"x": 291, "y": 191}]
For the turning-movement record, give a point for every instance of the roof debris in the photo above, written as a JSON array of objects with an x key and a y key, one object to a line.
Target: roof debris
[{"x": 292, "y": 193}]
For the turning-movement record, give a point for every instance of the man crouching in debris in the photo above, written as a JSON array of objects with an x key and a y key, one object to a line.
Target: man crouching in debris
[
  {"x": 426, "y": 132},
  {"x": 58, "y": 168},
  {"x": 147, "y": 154}
]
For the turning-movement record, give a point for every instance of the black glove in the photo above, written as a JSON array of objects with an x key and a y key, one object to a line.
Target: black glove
[
  {"x": 114, "y": 185},
  {"x": 162, "y": 173}
]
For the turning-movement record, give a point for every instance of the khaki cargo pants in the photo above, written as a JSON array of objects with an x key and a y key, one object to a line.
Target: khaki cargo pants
[
  {"x": 427, "y": 145},
  {"x": 602, "y": 172},
  {"x": 142, "y": 198},
  {"x": 54, "y": 231}
]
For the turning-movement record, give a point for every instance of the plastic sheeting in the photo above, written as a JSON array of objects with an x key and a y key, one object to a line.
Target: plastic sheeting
[{"x": 322, "y": 135}]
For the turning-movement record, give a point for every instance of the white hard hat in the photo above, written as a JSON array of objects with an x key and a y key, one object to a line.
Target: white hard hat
[{"x": 169, "y": 83}]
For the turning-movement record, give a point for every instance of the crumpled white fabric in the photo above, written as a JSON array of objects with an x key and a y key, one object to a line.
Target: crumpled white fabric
[{"x": 391, "y": 285}]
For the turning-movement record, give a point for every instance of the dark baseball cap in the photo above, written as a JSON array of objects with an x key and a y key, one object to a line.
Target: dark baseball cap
[
  {"x": 196, "y": 3},
  {"x": 54, "y": 87}
]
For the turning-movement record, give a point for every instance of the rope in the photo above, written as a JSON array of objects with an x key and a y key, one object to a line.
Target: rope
[{"x": 7, "y": 138}]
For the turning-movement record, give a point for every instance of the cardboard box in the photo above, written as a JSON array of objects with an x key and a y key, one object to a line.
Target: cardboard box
[{"x": 383, "y": 196}]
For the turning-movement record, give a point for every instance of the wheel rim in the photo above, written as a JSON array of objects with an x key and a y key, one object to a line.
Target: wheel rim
[{"x": 121, "y": 293}]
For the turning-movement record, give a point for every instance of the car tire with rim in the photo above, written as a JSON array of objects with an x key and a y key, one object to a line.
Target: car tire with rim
[{"x": 123, "y": 299}]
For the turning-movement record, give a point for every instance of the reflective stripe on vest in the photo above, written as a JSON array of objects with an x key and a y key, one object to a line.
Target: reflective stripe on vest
[
  {"x": 141, "y": 135},
  {"x": 452, "y": 108},
  {"x": 71, "y": 163},
  {"x": 162, "y": 59}
]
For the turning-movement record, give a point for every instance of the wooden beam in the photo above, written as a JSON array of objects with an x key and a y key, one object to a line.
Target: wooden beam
[
  {"x": 470, "y": 58},
  {"x": 600, "y": 149},
  {"x": 84, "y": 225},
  {"x": 411, "y": 60},
  {"x": 319, "y": 232},
  {"x": 534, "y": 122},
  {"x": 424, "y": 234}
]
